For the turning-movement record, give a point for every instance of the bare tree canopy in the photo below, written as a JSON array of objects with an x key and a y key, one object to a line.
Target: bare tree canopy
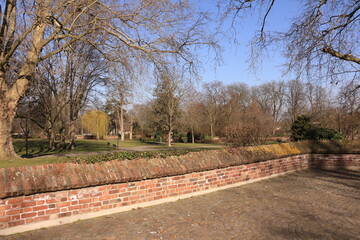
[
  {"x": 323, "y": 40},
  {"x": 122, "y": 31}
]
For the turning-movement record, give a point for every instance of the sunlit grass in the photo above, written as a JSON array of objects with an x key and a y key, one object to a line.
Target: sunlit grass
[
  {"x": 39, "y": 147},
  {"x": 4, "y": 163},
  {"x": 38, "y": 151}
]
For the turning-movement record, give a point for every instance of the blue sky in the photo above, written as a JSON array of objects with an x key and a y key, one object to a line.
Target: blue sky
[{"x": 235, "y": 67}]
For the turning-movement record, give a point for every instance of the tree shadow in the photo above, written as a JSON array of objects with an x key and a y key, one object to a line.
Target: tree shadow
[{"x": 328, "y": 148}]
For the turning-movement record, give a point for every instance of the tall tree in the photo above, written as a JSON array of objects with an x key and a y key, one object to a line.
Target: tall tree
[
  {"x": 349, "y": 111},
  {"x": 295, "y": 99},
  {"x": 271, "y": 97},
  {"x": 213, "y": 99},
  {"x": 151, "y": 31},
  {"x": 167, "y": 102},
  {"x": 119, "y": 92}
]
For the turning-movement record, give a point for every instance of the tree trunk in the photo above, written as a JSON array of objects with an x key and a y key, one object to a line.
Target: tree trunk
[
  {"x": 122, "y": 123},
  {"x": 7, "y": 114},
  {"x": 51, "y": 139},
  {"x": 169, "y": 138},
  {"x": 192, "y": 135},
  {"x": 72, "y": 134},
  {"x": 62, "y": 142},
  {"x": 131, "y": 128},
  {"x": 211, "y": 130}
]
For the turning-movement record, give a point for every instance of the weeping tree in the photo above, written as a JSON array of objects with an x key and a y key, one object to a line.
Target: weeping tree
[
  {"x": 96, "y": 122},
  {"x": 148, "y": 31}
]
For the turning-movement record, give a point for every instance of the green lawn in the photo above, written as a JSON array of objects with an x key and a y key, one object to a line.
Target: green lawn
[
  {"x": 38, "y": 150},
  {"x": 189, "y": 145},
  {"x": 38, "y": 147},
  {"x": 31, "y": 161}
]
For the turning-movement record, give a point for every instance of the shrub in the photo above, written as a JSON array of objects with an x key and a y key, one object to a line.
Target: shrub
[
  {"x": 302, "y": 129},
  {"x": 128, "y": 156},
  {"x": 324, "y": 134}
]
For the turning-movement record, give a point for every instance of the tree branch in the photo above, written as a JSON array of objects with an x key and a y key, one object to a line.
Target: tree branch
[{"x": 347, "y": 57}]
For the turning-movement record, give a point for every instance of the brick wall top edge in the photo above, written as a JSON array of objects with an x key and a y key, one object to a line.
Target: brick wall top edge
[{"x": 17, "y": 181}]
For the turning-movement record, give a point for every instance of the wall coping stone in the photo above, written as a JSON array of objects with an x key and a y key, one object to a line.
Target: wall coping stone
[{"x": 27, "y": 180}]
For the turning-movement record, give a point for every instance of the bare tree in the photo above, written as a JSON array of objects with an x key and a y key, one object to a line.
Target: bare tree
[
  {"x": 192, "y": 114},
  {"x": 153, "y": 31},
  {"x": 321, "y": 42},
  {"x": 119, "y": 91},
  {"x": 295, "y": 99},
  {"x": 350, "y": 111},
  {"x": 318, "y": 101},
  {"x": 211, "y": 104},
  {"x": 252, "y": 126},
  {"x": 271, "y": 97},
  {"x": 61, "y": 88}
]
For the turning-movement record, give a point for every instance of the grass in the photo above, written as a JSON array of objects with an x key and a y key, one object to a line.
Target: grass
[
  {"x": 38, "y": 147},
  {"x": 31, "y": 161},
  {"x": 189, "y": 145},
  {"x": 38, "y": 153}
]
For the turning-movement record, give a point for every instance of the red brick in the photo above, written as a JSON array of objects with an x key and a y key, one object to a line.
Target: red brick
[
  {"x": 95, "y": 204},
  {"x": 108, "y": 197},
  {"x": 104, "y": 188},
  {"x": 64, "y": 214},
  {"x": 15, "y": 217},
  {"x": 17, "y": 205},
  {"x": 51, "y": 201},
  {"x": 84, "y": 206},
  {"x": 52, "y": 211},
  {"x": 62, "y": 204},
  {"x": 114, "y": 191},
  {"x": 40, "y": 202},
  {"x": 28, "y": 204},
  {"x": 133, "y": 198},
  {"x": 17, "y": 223},
  {"x": 26, "y": 210},
  {"x": 106, "y": 207},
  {"x": 82, "y": 201},
  {"x": 42, "y": 218},
  {"x": 124, "y": 194},
  {"x": 85, "y": 210},
  {"x": 4, "y": 207},
  {"x": 28, "y": 215},
  {"x": 74, "y": 207},
  {"x": 15, "y": 200},
  {"x": 41, "y": 213},
  {"x": 64, "y": 209},
  {"x": 40, "y": 208},
  {"x": 5, "y": 219},
  {"x": 97, "y": 194},
  {"x": 14, "y": 212},
  {"x": 29, "y": 220}
]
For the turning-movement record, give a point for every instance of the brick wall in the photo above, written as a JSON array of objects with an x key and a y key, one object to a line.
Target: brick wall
[
  {"x": 22, "y": 210},
  {"x": 27, "y": 210},
  {"x": 335, "y": 160}
]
